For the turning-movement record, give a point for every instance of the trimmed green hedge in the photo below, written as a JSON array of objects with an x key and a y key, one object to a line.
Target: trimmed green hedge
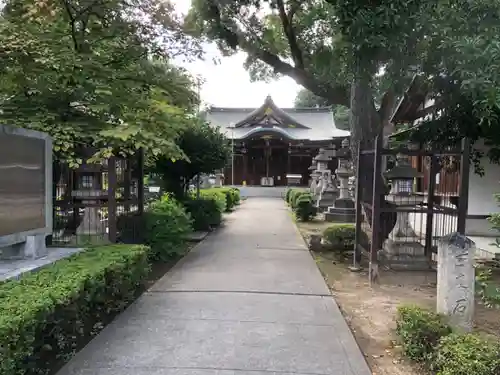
[
  {"x": 232, "y": 196},
  {"x": 164, "y": 227},
  {"x": 426, "y": 337},
  {"x": 419, "y": 331},
  {"x": 293, "y": 194},
  {"x": 205, "y": 213},
  {"x": 44, "y": 315},
  {"x": 467, "y": 354},
  {"x": 341, "y": 237},
  {"x": 218, "y": 196},
  {"x": 304, "y": 208}
]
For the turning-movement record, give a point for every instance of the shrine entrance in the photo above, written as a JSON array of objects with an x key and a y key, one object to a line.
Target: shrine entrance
[{"x": 267, "y": 162}]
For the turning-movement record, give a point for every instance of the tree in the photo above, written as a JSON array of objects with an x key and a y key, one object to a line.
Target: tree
[
  {"x": 348, "y": 51},
  {"x": 205, "y": 148},
  {"x": 95, "y": 73},
  {"x": 305, "y": 99}
]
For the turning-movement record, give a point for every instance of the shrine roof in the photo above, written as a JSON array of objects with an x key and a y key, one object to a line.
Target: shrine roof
[{"x": 315, "y": 124}]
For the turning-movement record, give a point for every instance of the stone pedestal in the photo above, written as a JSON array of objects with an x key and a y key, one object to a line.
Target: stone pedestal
[
  {"x": 91, "y": 222},
  {"x": 34, "y": 247},
  {"x": 343, "y": 209},
  {"x": 456, "y": 280},
  {"x": 403, "y": 248}
]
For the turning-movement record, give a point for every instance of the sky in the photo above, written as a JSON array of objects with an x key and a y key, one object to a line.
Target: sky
[{"x": 227, "y": 83}]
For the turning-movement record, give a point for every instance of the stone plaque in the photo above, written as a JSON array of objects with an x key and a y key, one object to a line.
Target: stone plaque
[{"x": 22, "y": 184}]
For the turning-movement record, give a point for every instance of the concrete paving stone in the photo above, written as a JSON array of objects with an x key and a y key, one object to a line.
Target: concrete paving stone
[
  {"x": 182, "y": 371},
  {"x": 261, "y": 271},
  {"x": 251, "y": 346},
  {"x": 244, "y": 307}
]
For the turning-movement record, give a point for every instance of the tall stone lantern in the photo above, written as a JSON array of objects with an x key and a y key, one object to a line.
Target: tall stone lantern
[
  {"x": 403, "y": 248},
  {"x": 326, "y": 188},
  {"x": 343, "y": 208}
]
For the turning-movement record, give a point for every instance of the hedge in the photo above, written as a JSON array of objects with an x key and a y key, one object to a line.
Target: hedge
[
  {"x": 232, "y": 196},
  {"x": 293, "y": 194},
  {"x": 164, "y": 227},
  {"x": 304, "y": 208},
  {"x": 426, "y": 337},
  {"x": 340, "y": 237},
  {"x": 46, "y": 314},
  {"x": 419, "y": 331},
  {"x": 466, "y": 354},
  {"x": 205, "y": 213},
  {"x": 217, "y": 195}
]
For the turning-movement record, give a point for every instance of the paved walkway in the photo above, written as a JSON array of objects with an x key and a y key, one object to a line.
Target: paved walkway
[{"x": 247, "y": 300}]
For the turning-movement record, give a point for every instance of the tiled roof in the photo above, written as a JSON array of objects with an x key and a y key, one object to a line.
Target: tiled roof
[{"x": 317, "y": 123}]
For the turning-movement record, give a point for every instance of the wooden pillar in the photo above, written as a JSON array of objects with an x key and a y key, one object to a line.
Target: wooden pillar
[
  {"x": 245, "y": 167},
  {"x": 288, "y": 166}
]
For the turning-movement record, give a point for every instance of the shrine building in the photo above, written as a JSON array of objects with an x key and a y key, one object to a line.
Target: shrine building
[{"x": 270, "y": 143}]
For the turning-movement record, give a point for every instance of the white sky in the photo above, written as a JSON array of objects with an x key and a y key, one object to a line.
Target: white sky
[{"x": 227, "y": 84}]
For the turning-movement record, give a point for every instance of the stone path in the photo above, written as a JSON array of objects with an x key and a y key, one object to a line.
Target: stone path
[{"x": 247, "y": 300}]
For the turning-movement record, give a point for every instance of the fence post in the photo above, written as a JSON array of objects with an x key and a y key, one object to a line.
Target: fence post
[
  {"x": 463, "y": 197},
  {"x": 359, "y": 217},
  {"x": 429, "y": 220},
  {"x": 373, "y": 271},
  {"x": 140, "y": 181},
  {"x": 112, "y": 182}
]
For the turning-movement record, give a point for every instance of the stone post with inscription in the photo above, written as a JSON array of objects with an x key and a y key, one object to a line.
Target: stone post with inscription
[{"x": 456, "y": 279}]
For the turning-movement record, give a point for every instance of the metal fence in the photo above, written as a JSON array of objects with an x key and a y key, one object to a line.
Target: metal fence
[
  {"x": 425, "y": 209},
  {"x": 88, "y": 201}
]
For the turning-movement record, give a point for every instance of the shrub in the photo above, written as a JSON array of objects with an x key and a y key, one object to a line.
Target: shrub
[
  {"x": 217, "y": 195},
  {"x": 288, "y": 194},
  {"x": 340, "y": 236},
  {"x": 164, "y": 227},
  {"x": 45, "y": 315},
  {"x": 465, "y": 354},
  {"x": 294, "y": 196},
  {"x": 204, "y": 212},
  {"x": 419, "y": 331},
  {"x": 232, "y": 196},
  {"x": 304, "y": 207}
]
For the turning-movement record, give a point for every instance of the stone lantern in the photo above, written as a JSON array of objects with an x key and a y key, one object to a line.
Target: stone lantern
[
  {"x": 403, "y": 248},
  {"x": 326, "y": 188},
  {"x": 343, "y": 210}
]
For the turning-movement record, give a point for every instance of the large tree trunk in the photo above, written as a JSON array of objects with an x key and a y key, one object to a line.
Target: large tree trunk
[{"x": 366, "y": 123}]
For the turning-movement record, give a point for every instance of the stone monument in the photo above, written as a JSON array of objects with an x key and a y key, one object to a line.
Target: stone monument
[
  {"x": 343, "y": 209},
  {"x": 326, "y": 188},
  {"x": 403, "y": 248},
  {"x": 25, "y": 193},
  {"x": 456, "y": 280}
]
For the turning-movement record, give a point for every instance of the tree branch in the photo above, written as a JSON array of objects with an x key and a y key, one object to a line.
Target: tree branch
[
  {"x": 334, "y": 94},
  {"x": 286, "y": 21}
]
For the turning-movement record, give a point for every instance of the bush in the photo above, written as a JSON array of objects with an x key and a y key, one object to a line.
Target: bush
[
  {"x": 164, "y": 227},
  {"x": 45, "y": 315},
  {"x": 465, "y": 354},
  {"x": 304, "y": 208},
  {"x": 204, "y": 212},
  {"x": 419, "y": 331},
  {"x": 232, "y": 196},
  {"x": 217, "y": 195},
  {"x": 341, "y": 237},
  {"x": 294, "y": 196},
  {"x": 288, "y": 194}
]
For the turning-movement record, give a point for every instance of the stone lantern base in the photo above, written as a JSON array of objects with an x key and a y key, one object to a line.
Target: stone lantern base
[
  {"x": 326, "y": 199},
  {"x": 342, "y": 211},
  {"x": 404, "y": 255}
]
